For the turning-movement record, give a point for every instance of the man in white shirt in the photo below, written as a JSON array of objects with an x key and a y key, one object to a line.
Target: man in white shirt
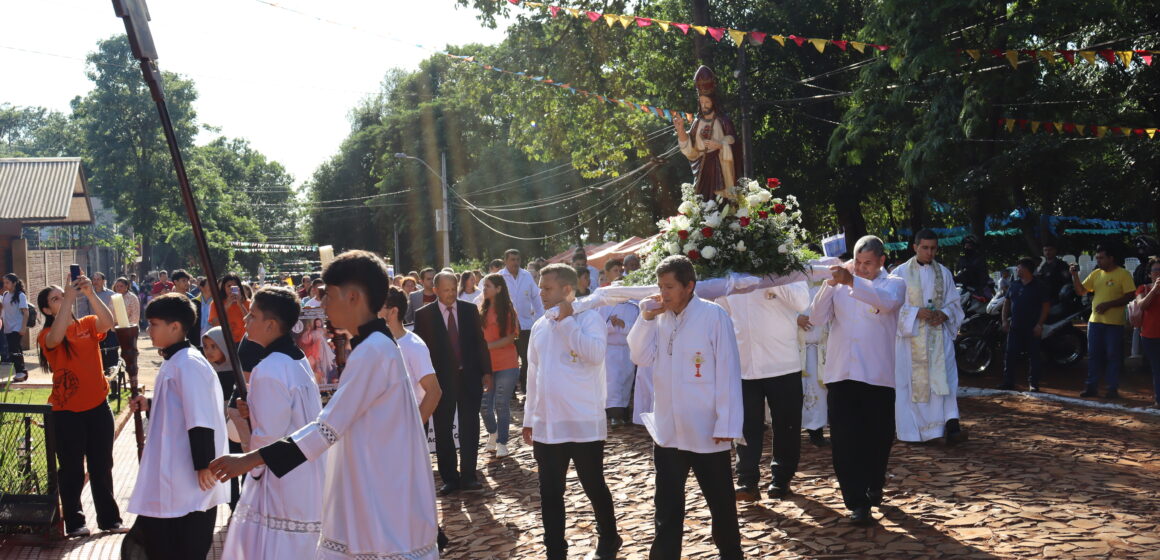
[
  {"x": 690, "y": 344},
  {"x": 525, "y": 296},
  {"x": 765, "y": 323},
  {"x": 926, "y": 376},
  {"x": 862, "y": 303},
  {"x": 564, "y": 413}
]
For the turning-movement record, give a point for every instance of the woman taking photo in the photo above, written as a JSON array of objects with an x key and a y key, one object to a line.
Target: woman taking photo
[
  {"x": 82, "y": 421},
  {"x": 15, "y": 317},
  {"x": 237, "y": 306},
  {"x": 500, "y": 330}
]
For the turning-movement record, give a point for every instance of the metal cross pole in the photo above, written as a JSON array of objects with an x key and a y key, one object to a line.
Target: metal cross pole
[{"x": 136, "y": 16}]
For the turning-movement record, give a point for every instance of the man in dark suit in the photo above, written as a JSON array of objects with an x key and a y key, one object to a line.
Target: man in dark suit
[{"x": 452, "y": 331}]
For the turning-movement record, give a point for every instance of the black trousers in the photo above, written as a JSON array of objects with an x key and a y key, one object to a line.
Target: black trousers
[
  {"x": 552, "y": 461},
  {"x": 456, "y": 395},
  {"x": 15, "y": 351},
  {"x": 784, "y": 395},
  {"x": 188, "y": 537},
  {"x": 80, "y": 437},
  {"x": 715, "y": 478},
  {"x": 522, "y": 349},
  {"x": 862, "y": 430}
]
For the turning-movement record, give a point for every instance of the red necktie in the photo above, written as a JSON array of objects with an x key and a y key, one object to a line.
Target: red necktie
[{"x": 453, "y": 334}]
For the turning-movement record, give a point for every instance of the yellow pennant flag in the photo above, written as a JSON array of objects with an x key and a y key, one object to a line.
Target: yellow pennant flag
[
  {"x": 1010, "y": 125},
  {"x": 610, "y": 19},
  {"x": 780, "y": 39},
  {"x": 1127, "y": 131},
  {"x": 1081, "y": 128},
  {"x": 1034, "y": 127},
  {"x": 664, "y": 25},
  {"x": 574, "y": 11},
  {"x": 819, "y": 44},
  {"x": 1089, "y": 56},
  {"x": 1101, "y": 131},
  {"x": 1125, "y": 57},
  {"x": 973, "y": 53},
  {"x": 1059, "y": 126},
  {"x": 860, "y": 47},
  {"x": 1151, "y": 132},
  {"x": 626, "y": 21},
  {"x": 737, "y": 36},
  {"x": 700, "y": 29},
  {"x": 534, "y": 4},
  {"x": 1049, "y": 55},
  {"x": 1013, "y": 58}
]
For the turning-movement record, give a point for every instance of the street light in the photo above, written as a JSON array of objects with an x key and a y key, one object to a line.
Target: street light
[{"x": 442, "y": 217}]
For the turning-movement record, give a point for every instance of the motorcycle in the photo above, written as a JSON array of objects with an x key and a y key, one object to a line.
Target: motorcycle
[
  {"x": 980, "y": 335},
  {"x": 1062, "y": 343}
]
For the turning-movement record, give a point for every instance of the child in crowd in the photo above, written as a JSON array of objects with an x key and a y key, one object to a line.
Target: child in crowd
[{"x": 176, "y": 495}]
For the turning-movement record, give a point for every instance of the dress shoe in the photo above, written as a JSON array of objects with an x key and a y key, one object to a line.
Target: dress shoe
[
  {"x": 1090, "y": 391},
  {"x": 448, "y": 489},
  {"x": 615, "y": 422},
  {"x": 490, "y": 445},
  {"x": 472, "y": 486},
  {"x": 954, "y": 432},
  {"x": 115, "y": 529},
  {"x": 861, "y": 517},
  {"x": 778, "y": 490},
  {"x": 875, "y": 497},
  {"x": 501, "y": 450},
  {"x": 442, "y": 540},
  {"x": 1005, "y": 386},
  {"x": 748, "y": 494},
  {"x": 81, "y": 531},
  {"x": 817, "y": 438},
  {"x": 607, "y": 549},
  {"x": 1112, "y": 394}
]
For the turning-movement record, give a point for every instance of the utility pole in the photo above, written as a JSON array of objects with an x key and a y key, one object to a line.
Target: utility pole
[
  {"x": 742, "y": 75},
  {"x": 701, "y": 47},
  {"x": 445, "y": 233}
]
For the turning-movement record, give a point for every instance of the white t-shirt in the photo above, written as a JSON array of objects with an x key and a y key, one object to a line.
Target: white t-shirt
[
  {"x": 13, "y": 316},
  {"x": 418, "y": 359}
]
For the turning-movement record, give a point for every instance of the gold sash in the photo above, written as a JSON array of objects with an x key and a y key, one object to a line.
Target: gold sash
[{"x": 927, "y": 354}]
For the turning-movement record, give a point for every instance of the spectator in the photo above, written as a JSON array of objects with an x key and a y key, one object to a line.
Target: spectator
[
  {"x": 584, "y": 281},
  {"x": 501, "y": 328},
  {"x": 525, "y": 294},
  {"x": 1024, "y": 313},
  {"x": 971, "y": 269},
  {"x": 494, "y": 266},
  {"x": 162, "y": 285},
  {"x": 1149, "y": 302},
  {"x": 15, "y": 318},
  {"x": 204, "y": 302},
  {"x": 305, "y": 287},
  {"x": 613, "y": 271},
  {"x": 419, "y": 298},
  {"x": 237, "y": 306},
  {"x": 580, "y": 259},
  {"x": 1053, "y": 271},
  {"x": 409, "y": 285},
  {"x": 1112, "y": 289},
  {"x": 183, "y": 284},
  {"x": 133, "y": 283},
  {"x": 632, "y": 263},
  {"x": 467, "y": 288},
  {"x": 314, "y": 297},
  {"x": 132, "y": 304},
  {"x": 109, "y": 348}
]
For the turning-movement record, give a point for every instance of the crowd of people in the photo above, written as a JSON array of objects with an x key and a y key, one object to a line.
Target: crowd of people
[{"x": 865, "y": 351}]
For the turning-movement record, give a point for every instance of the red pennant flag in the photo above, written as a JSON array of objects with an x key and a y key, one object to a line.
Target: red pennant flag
[
  {"x": 1030, "y": 53},
  {"x": 1146, "y": 56},
  {"x": 881, "y": 48},
  {"x": 595, "y": 17},
  {"x": 643, "y": 22},
  {"x": 1115, "y": 130},
  {"x": 996, "y": 52},
  {"x": 555, "y": 10},
  {"x": 1022, "y": 123},
  {"x": 717, "y": 33},
  {"x": 1048, "y": 127},
  {"x": 684, "y": 27},
  {"x": 798, "y": 40},
  {"x": 1109, "y": 56},
  {"x": 758, "y": 38},
  {"x": 1069, "y": 56},
  {"x": 516, "y": 2},
  {"x": 1002, "y": 122},
  {"x": 840, "y": 44},
  {"x": 1069, "y": 127},
  {"x": 1138, "y": 131}
]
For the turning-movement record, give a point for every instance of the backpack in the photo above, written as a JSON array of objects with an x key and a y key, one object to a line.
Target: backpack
[{"x": 32, "y": 317}]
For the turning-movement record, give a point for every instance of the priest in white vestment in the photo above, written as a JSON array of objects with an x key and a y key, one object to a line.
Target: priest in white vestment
[
  {"x": 812, "y": 339},
  {"x": 618, "y": 366},
  {"x": 926, "y": 377}
]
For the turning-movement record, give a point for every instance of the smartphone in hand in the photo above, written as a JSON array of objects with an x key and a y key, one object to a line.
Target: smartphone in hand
[{"x": 74, "y": 272}]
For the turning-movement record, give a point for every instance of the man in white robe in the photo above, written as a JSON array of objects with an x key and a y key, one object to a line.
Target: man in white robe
[
  {"x": 697, "y": 410},
  {"x": 862, "y": 303},
  {"x": 618, "y": 366},
  {"x": 926, "y": 377},
  {"x": 812, "y": 339}
]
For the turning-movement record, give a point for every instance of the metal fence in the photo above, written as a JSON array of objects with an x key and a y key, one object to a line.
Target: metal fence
[{"x": 29, "y": 501}]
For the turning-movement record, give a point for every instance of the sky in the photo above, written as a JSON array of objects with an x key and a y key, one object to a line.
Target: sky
[{"x": 281, "y": 80}]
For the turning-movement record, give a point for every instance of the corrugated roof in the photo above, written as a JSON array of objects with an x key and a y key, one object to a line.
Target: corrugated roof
[{"x": 43, "y": 190}]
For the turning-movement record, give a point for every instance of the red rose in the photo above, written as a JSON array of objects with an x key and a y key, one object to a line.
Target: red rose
[
  {"x": 745, "y": 222},
  {"x": 779, "y": 208},
  {"x": 762, "y": 214},
  {"x": 773, "y": 183},
  {"x": 707, "y": 231},
  {"x": 694, "y": 255},
  {"x": 683, "y": 234}
]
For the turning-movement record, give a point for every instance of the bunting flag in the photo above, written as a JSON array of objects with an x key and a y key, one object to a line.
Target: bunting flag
[
  {"x": 659, "y": 112},
  {"x": 1059, "y": 127},
  {"x": 738, "y": 37},
  {"x": 251, "y": 247}
]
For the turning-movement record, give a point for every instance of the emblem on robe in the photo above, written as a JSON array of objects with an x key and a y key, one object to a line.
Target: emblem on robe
[{"x": 698, "y": 359}]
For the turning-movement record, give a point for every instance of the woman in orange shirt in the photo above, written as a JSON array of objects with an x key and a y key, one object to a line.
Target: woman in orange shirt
[
  {"x": 81, "y": 419},
  {"x": 500, "y": 330},
  {"x": 237, "y": 306}
]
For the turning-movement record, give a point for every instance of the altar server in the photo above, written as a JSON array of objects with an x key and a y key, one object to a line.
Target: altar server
[
  {"x": 278, "y": 517},
  {"x": 697, "y": 408},
  {"x": 862, "y": 301},
  {"x": 379, "y": 495},
  {"x": 564, "y": 413},
  {"x": 813, "y": 342},
  {"x": 618, "y": 366},
  {"x": 925, "y": 374}
]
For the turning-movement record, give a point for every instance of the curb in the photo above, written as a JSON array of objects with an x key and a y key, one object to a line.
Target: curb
[{"x": 977, "y": 392}]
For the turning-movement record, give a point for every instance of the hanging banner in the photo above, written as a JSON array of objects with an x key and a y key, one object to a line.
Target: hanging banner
[{"x": 1060, "y": 127}]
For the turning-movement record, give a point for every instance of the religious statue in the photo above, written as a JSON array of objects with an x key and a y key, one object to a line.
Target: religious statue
[{"x": 710, "y": 144}]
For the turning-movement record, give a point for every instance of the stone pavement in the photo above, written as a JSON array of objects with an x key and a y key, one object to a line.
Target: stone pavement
[{"x": 1038, "y": 479}]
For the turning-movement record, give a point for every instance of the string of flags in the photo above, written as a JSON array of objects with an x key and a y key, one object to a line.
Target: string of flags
[
  {"x": 252, "y": 247},
  {"x": 1060, "y": 127},
  {"x": 757, "y": 38},
  {"x": 666, "y": 114}
]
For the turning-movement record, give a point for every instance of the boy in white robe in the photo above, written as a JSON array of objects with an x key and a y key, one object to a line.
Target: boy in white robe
[
  {"x": 618, "y": 365},
  {"x": 379, "y": 496},
  {"x": 697, "y": 408},
  {"x": 926, "y": 375},
  {"x": 176, "y": 495},
  {"x": 813, "y": 342},
  {"x": 278, "y": 517}
]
